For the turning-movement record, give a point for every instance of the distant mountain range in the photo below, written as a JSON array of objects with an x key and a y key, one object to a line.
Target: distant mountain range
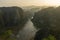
[{"x": 33, "y": 7}]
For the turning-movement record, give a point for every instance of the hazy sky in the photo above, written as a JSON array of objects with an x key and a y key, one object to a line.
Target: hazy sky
[{"x": 29, "y": 2}]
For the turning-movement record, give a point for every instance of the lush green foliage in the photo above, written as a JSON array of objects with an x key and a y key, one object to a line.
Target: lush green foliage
[
  {"x": 50, "y": 37},
  {"x": 12, "y": 20},
  {"x": 48, "y": 18}
]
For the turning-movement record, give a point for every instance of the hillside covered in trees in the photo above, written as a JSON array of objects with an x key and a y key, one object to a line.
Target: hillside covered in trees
[
  {"x": 47, "y": 19},
  {"x": 12, "y": 20}
]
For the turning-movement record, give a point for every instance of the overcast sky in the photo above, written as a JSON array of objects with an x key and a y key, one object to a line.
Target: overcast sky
[{"x": 29, "y": 2}]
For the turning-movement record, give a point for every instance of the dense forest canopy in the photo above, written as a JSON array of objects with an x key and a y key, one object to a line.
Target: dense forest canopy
[
  {"x": 48, "y": 18},
  {"x": 12, "y": 20}
]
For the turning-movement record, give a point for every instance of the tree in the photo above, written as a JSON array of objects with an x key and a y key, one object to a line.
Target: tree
[
  {"x": 12, "y": 20},
  {"x": 48, "y": 18},
  {"x": 41, "y": 18}
]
